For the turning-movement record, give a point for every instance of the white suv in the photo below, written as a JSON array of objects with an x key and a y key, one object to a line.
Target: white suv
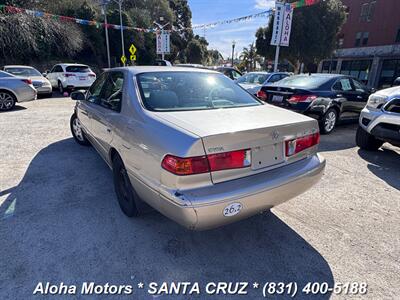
[
  {"x": 380, "y": 120},
  {"x": 71, "y": 77}
]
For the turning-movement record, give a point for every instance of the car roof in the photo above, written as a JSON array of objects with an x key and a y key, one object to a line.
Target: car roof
[
  {"x": 149, "y": 69},
  {"x": 72, "y": 64},
  {"x": 18, "y": 66}
]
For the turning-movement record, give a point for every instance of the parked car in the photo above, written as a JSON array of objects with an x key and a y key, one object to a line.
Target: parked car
[
  {"x": 329, "y": 98},
  {"x": 253, "y": 81},
  {"x": 396, "y": 82},
  {"x": 194, "y": 145},
  {"x": 41, "y": 83},
  {"x": 380, "y": 120},
  {"x": 230, "y": 72},
  {"x": 67, "y": 77},
  {"x": 14, "y": 89}
]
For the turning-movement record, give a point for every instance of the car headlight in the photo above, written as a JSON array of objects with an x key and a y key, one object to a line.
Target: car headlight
[{"x": 376, "y": 101}]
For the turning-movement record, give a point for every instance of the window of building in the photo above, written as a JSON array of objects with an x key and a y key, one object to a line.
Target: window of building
[
  {"x": 365, "y": 38},
  {"x": 358, "y": 39},
  {"x": 367, "y": 11},
  {"x": 389, "y": 72},
  {"x": 398, "y": 36},
  {"x": 329, "y": 66},
  {"x": 357, "y": 68}
]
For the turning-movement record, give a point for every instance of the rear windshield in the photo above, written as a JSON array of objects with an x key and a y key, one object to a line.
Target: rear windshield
[
  {"x": 253, "y": 78},
  {"x": 304, "y": 81},
  {"x": 78, "y": 69},
  {"x": 180, "y": 91},
  {"x": 23, "y": 71}
]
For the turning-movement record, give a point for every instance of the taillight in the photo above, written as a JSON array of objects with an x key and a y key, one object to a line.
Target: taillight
[
  {"x": 92, "y": 75},
  {"x": 229, "y": 160},
  {"x": 297, "y": 145},
  {"x": 185, "y": 166},
  {"x": 262, "y": 95},
  {"x": 27, "y": 81},
  {"x": 68, "y": 75},
  {"x": 302, "y": 98},
  {"x": 207, "y": 163}
]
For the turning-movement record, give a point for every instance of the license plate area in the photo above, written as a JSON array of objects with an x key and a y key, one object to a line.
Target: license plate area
[
  {"x": 266, "y": 156},
  {"x": 82, "y": 78},
  {"x": 277, "y": 98}
]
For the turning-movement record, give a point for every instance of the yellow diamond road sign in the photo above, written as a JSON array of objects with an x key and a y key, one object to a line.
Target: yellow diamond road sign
[
  {"x": 132, "y": 50},
  {"x": 123, "y": 59}
]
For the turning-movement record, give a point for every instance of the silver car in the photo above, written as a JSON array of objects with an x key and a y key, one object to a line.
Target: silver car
[
  {"x": 14, "y": 89},
  {"x": 253, "y": 81},
  {"x": 194, "y": 145},
  {"x": 40, "y": 83},
  {"x": 380, "y": 120}
]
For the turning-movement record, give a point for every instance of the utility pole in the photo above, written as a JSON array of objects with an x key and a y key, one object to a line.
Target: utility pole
[
  {"x": 104, "y": 11},
  {"x": 122, "y": 29},
  {"x": 233, "y": 50}
]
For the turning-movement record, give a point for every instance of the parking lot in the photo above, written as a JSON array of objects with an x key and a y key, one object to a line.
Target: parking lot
[{"x": 60, "y": 220}]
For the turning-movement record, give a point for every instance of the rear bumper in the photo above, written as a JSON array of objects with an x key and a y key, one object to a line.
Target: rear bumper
[
  {"x": 315, "y": 112},
  {"x": 44, "y": 90},
  {"x": 203, "y": 208}
]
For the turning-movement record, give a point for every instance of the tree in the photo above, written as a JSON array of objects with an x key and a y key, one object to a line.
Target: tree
[
  {"x": 314, "y": 33},
  {"x": 250, "y": 57}
]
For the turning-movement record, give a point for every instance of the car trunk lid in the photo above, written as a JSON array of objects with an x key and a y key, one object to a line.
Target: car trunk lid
[{"x": 262, "y": 129}]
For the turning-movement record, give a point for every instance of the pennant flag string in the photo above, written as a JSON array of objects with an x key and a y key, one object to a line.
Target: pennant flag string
[{"x": 16, "y": 10}]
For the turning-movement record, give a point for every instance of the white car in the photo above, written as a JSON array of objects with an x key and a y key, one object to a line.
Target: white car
[{"x": 68, "y": 77}]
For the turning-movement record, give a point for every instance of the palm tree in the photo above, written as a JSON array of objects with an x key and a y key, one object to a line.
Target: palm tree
[{"x": 250, "y": 56}]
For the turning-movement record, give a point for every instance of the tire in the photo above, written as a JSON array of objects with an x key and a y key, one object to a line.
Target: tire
[
  {"x": 77, "y": 132},
  {"x": 367, "y": 141},
  {"x": 60, "y": 88},
  {"x": 329, "y": 121},
  {"x": 7, "y": 101},
  {"x": 126, "y": 195}
]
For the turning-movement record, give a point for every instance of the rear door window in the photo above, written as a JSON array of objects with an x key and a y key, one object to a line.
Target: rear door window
[{"x": 343, "y": 85}]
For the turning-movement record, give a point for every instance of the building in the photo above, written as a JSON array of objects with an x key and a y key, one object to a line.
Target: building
[{"x": 369, "y": 43}]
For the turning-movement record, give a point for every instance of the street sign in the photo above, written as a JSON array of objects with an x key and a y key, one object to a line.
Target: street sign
[
  {"x": 123, "y": 59},
  {"x": 132, "y": 50},
  {"x": 278, "y": 21},
  {"x": 163, "y": 43},
  {"x": 287, "y": 25}
]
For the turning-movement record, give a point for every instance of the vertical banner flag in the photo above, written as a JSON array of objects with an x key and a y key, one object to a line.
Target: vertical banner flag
[
  {"x": 278, "y": 19},
  {"x": 287, "y": 25},
  {"x": 163, "y": 43}
]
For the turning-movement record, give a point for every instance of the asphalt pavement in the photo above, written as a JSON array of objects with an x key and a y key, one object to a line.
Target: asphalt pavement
[{"x": 60, "y": 221}]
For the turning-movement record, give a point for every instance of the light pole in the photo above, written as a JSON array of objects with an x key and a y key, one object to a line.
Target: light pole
[
  {"x": 104, "y": 12},
  {"x": 121, "y": 25},
  {"x": 233, "y": 50}
]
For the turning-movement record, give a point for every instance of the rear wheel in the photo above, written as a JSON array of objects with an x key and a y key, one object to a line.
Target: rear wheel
[
  {"x": 60, "y": 87},
  {"x": 7, "y": 101},
  {"x": 77, "y": 132},
  {"x": 329, "y": 121},
  {"x": 367, "y": 141},
  {"x": 127, "y": 197}
]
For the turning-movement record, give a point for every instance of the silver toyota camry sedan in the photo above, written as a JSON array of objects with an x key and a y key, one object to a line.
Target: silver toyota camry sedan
[{"x": 194, "y": 145}]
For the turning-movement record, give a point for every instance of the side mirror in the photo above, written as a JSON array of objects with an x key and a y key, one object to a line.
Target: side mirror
[
  {"x": 45, "y": 73},
  {"x": 78, "y": 95}
]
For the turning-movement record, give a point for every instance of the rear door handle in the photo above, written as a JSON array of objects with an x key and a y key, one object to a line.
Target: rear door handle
[
  {"x": 84, "y": 112},
  {"x": 109, "y": 130},
  {"x": 339, "y": 95},
  {"x": 359, "y": 97}
]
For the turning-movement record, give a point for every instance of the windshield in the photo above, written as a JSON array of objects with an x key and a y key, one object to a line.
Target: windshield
[
  {"x": 26, "y": 72},
  {"x": 303, "y": 81},
  {"x": 253, "y": 78},
  {"x": 172, "y": 91},
  {"x": 78, "y": 69}
]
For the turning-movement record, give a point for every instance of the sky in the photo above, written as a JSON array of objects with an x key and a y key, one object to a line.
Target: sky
[{"x": 221, "y": 36}]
